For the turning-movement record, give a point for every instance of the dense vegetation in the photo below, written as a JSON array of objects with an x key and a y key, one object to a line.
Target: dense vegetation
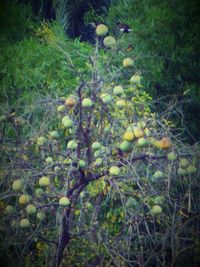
[{"x": 99, "y": 139}]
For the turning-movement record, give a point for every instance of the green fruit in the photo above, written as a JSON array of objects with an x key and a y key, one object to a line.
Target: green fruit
[
  {"x": 98, "y": 162},
  {"x": 183, "y": 163},
  {"x": 2, "y": 118},
  {"x": 82, "y": 164},
  {"x": 114, "y": 170},
  {"x": 41, "y": 141},
  {"x": 87, "y": 103},
  {"x": 101, "y": 30},
  {"x": 54, "y": 134},
  {"x": 127, "y": 62},
  {"x": 72, "y": 145},
  {"x": 158, "y": 200},
  {"x": 41, "y": 215},
  {"x": 9, "y": 209},
  {"x": 156, "y": 210},
  {"x": 181, "y": 171},
  {"x": 158, "y": 175},
  {"x": 24, "y": 223},
  {"x": 82, "y": 194},
  {"x": 142, "y": 142},
  {"x": 23, "y": 199},
  {"x": 39, "y": 192},
  {"x": 131, "y": 202},
  {"x": 106, "y": 98},
  {"x": 109, "y": 42},
  {"x": 67, "y": 122},
  {"x": 191, "y": 169},
  {"x": 61, "y": 108},
  {"x": 135, "y": 79},
  {"x": 96, "y": 145},
  {"x": 121, "y": 103},
  {"x": 31, "y": 209},
  {"x": 126, "y": 146},
  {"x": 171, "y": 156},
  {"x": 97, "y": 153},
  {"x": 64, "y": 201},
  {"x": 118, "y": 90},
  {"x": 49, "y": 160},
  {"x": 17, "y": 185},
  {"x": 44, "y": 181}
]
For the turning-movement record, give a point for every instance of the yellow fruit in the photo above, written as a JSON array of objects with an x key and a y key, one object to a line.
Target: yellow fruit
[
  {"x": 127, "y": 62},
  {"x": 138, "y": 132},
  {"x": 109, "y": 42},
  {"x": 121, "y": 103},
  {"x": 44, "y": 181},
  {"x": 135, "y": 79},
  {"x": 129, "y": 136},
  {"x": 156, "y": 210},
  {"x": 114, "y": 170},
  {"x": 70, "y": 101},
  {"x": 31, "y": 209},
  {"x": 24, "y": 223},
  {"x": 101, "y": 30},
  {"x": 17, "y": 185},
  {"x": 165, "y": 143},
  {"x": 118, "y": 90},
  {"x": 23, "y": 199},
  {"x": 64, "y": 201},
  {"x": 87, "y": 103}
]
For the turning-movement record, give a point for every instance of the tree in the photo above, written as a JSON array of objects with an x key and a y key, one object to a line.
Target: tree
[{"x": 109, "y": 174}]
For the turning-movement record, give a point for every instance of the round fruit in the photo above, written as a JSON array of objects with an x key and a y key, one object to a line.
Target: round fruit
[
  {"x": 156, "y": 210},
  {"x": 138, "y": 132},
  {"x": 126, "y": 146},
  {"x": 49, "y": 160},
  {"x": 41, "y": 141},
  {"x": 9, "y": 209},
  {"x": 101, "y": 30},
  {"x": 118, "y": 90},
  {"x": 24, "y": 223},
  {"x": 2, "y": 118},
  {"x": 61, "y": 108},
  {"x": 67, "y": 122},
  {"x": 70, "y": 101},
  {"x": 121, "y": 103},
  {"x": 136, "y": 79},
  {"x": 106, "y": 98},
  {"x": 131, "y": 202},
  {"x": 64, "y": 201},
  {"x": 128, "y": 136},
  {"x": 54, "y": 134},
  {"x": 81, "y": 164},
  {"x": 183, "y": 163},
  {"x": 31, "y": 209},
  {"x": 165, "y": 143},
  {"x": 98, "y": 162},
  {"x": 17, "y": 185},
  {"x": 44, "y": 181},
  {"x": 191, "y": 169},
  {"x": 114, "y": 170},
  {"x": 39, "y": 192},
  {"x": 171, "y": 156},
  {"x": 23, "y": 199},
  {"x": 158, "y": 200},
  {"x": 142, "y": 142},
  {"x": 97, "y": 153},
  {"x": 181, "y": 171},
  {"x": 96, "y": 145},
  {"x": 41, "y": 216},
  {"x": 158, "y": 174},
  {"x": 127, "y": 62},
  {"x": 87, "y": 103},
  {"x": 109, "y": 42},
  {"x": 72, "y": 145}
]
